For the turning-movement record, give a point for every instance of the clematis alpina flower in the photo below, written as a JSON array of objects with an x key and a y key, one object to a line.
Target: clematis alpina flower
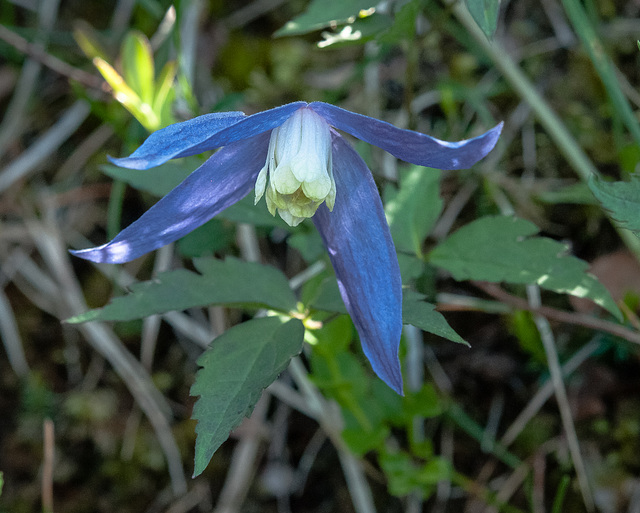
[{"x": 294, "y": 156}]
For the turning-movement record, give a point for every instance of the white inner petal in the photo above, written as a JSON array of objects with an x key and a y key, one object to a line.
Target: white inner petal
[{"x": 298, "y": 168}]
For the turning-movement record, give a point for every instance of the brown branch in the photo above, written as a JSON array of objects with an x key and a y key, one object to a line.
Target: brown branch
[
  {"x": 37, "y": 53},
  {"x": 47, "y": 466},
  {"x": 573, "y": 318}
]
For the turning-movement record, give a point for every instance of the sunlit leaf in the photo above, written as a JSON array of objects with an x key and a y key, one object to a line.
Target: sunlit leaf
[
  {"x": 359, "y": 32},
  {"x": 621, "y": 199},
  {"x": 87, "y": 39},
  {"x": 229, "y": 282},
  {"x": 127, "y": 96},
  {"x": 238, "y": 366},
  {"x": 164, "y": 93},
  {"x": 137, "y": 65},
  {"x": 321, "y": 14},
  {"x": 502, "y": 249}
]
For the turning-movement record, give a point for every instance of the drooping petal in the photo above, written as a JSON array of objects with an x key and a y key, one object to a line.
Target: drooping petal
[
  {"x": 357, "y": 238},
  {"x": 204, "y": 133},
  {"x": 407, "y": 145},
  {"x": 224, "y": 179}
]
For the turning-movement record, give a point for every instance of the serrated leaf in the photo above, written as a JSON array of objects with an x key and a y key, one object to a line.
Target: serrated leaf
[
  {"x": 321, "y": 14},
  {"x": 229, "y": 282},
  {"x": 423, "y": 315},
  {"x": 413, "y": 209},
  {"x": 137, "y": 65},
  {"x": 237, "y": 367},
  {"x": 485, "y": 13},
  {"x": 498, "y": 248},
  {"x": 621, "y": 199}
]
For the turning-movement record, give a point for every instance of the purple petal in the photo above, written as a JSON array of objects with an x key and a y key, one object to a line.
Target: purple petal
[
  {"x": 357, "y": 238},
  {"x": 221, "y": 181},
  {"x": 204, "y": 133},
  {"x": 407, "y": 145}
]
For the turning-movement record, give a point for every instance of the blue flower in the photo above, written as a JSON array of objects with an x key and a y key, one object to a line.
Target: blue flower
[{"x": 294, "y": 156}]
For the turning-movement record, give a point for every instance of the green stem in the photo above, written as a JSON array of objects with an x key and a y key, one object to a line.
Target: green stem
[
  {"x": 114, "y": 210},
  {"x": 602, "y": 64}
]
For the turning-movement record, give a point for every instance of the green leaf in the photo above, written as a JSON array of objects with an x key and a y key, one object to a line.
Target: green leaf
[
  {"x": 356, "y": 33},
  {"x": 321, "y": 14},
  {"x": 126, "y": 95},
  {"x": 411, "y": 267},
  {"x": 88, "y": 40},
  {"x": 214, "y": 235},
  {"x": 237, "y": 367},
  {"x": 404, "y": 23},
  {"x": 423, "y": 315},
  {"x": 231, "y": 282},
  {"x": 137, "y": 65},
  {"x": 498, "y": 248},
  {"x": 413, "y": 209},
  {"x": 164, "y": 94},
  {"x": 406, "y": 476},
  {"x": 621, "y": 199},
  {"x": 327, "y": 297},
  {"x": 158, "y": 181},
  {"x": 485, "y": 13},
  {"x": 424, "y": 403},
  {"x": 360, "y": 441},
  {"x": 309, "y": 244}
]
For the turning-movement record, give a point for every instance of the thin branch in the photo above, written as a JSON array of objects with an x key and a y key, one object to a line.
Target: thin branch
[
  {"x": 47, "y": 466},
  {"x": 573, "y": 318},
  {"x": 549, "y": 344},
  {"x": 39, "y": 54}
]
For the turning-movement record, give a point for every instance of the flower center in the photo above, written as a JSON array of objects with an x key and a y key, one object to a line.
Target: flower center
[{"x": 298, "y": 168}]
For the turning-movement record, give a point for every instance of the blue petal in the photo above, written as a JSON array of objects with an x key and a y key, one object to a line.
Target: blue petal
[
  {"x": 221, "y": 181},
  {"x": 408, "y": 145},
  {"x": 204, "y": 133},
  {"x": 357, "y": 238}
]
